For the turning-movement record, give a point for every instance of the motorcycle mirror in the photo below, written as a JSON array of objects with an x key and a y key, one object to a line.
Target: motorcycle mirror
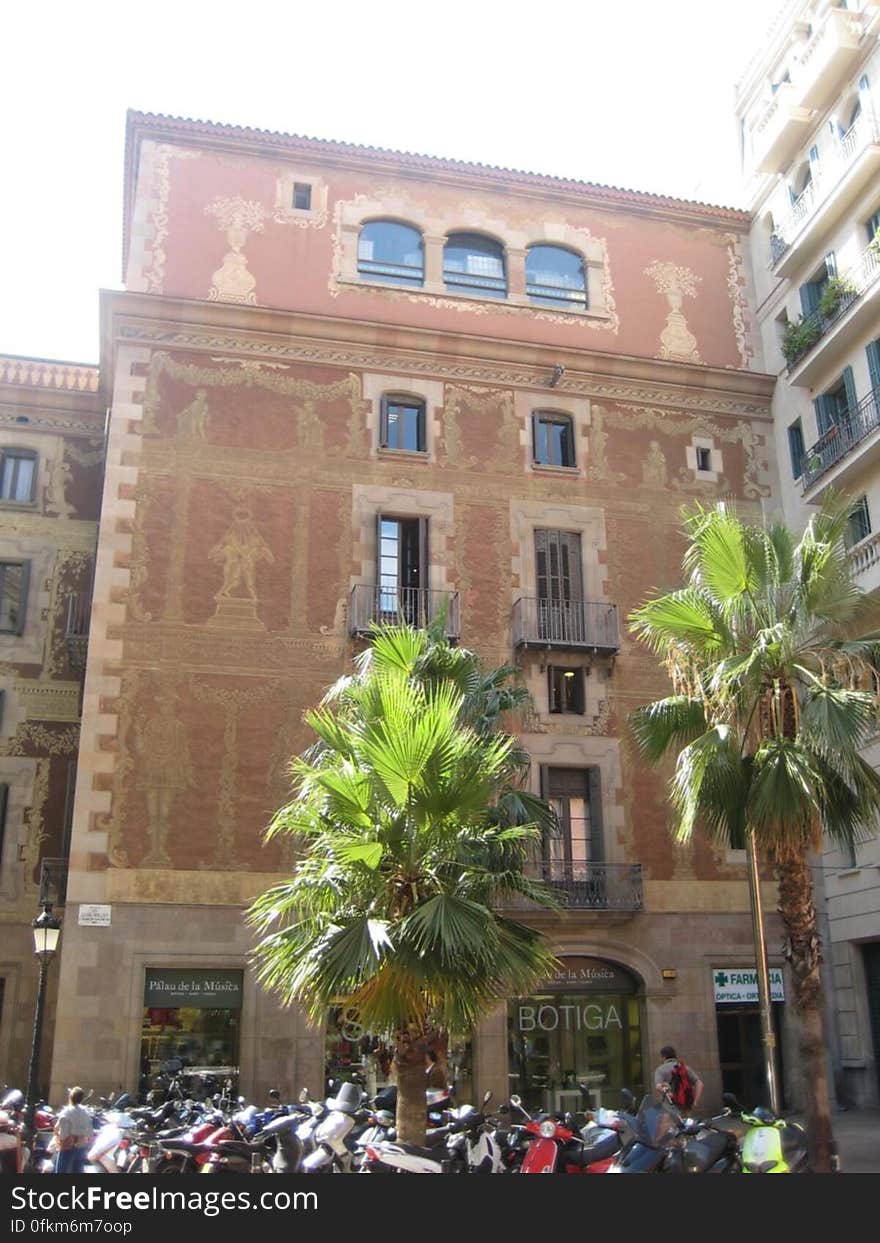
[
  {"x": 303, "y": 1096},
  {"x": 730, "y": 1101},
  {"x": 487, "y": 1096},
  {"x": 516, "y": 1100},
  {"x": 274, "y": 1094}
]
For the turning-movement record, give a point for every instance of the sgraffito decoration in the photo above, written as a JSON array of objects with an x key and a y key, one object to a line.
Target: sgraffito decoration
[
  {"x": 238, "y": 217},
  {"x": 677, "y": 282}
]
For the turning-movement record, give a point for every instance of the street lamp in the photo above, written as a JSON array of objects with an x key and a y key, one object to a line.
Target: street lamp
[
  {"x": 47, "y": 930},
  {"x": 768, "y": 1035}
]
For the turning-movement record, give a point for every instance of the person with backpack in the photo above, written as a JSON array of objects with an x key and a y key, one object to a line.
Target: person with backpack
[{"x": 680, "y": 1083}]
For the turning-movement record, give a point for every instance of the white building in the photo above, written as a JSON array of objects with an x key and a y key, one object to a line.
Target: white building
[{"x": 808, "y": 108}]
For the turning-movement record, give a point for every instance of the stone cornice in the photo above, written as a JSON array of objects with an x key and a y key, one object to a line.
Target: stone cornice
[
  {"x": 238, "y": 140},
  {"x": 268, "y": 336}
]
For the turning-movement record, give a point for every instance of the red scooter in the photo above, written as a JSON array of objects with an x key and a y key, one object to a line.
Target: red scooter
[{"x": 558, "y": 1147}]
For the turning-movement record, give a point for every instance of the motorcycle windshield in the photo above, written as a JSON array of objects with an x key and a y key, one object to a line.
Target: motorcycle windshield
[{"x": 654, "y": 1122}]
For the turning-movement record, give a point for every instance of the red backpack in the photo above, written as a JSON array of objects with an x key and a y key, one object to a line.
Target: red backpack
[{"x": 681, "y": 1090}]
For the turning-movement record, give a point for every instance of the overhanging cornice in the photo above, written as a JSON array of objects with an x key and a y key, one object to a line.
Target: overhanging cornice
[{"x": 265, "y": 335}]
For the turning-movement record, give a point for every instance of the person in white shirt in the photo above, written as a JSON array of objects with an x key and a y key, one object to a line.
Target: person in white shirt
[{"x": 74, "y": 1130}]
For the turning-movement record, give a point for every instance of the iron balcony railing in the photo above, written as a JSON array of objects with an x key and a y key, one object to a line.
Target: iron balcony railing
[
  {"x": 539, "y": 622},
  {"x": 862, "y": 133},
  {"x": 851, "y": 428},
  {"x": 397, "y": 606},
  {"x": 79, "y": 607},
  {"x": 53, "y": 881},
  {"x": 857, "y": 281},
  {"x": 588, "y": 886}
]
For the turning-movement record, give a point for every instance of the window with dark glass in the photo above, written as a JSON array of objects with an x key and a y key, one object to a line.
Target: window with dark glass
[
  {"x": 873, "y": 226},
  {"x": 18, "y": 474},
  {"x": 858, "y": 524},
  {"x": 474, "y": 264},
  {"x": 566, "y": 688},
  {"x": 402, "y": 561},
  {"x": 402, "y": 424},
  {"x": 302, "y": 196},
  {"x": 13, "y": 595},
  {"x": 552, "y": 439},
  {"x": 391, "y": 253},
  {"x": 556, "y": 277},
  {"x": 704, "y": 459}
]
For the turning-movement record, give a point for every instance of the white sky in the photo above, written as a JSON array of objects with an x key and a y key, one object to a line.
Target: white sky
[{"x": 633, "y": 93}]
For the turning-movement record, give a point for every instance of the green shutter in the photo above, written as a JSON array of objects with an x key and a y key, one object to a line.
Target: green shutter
[
  {"x": 796, "y": 448},
  {"x": 850, "y": 385},
  {"x": 824, "y": 414},
  {"x": 873, "y": 352}
]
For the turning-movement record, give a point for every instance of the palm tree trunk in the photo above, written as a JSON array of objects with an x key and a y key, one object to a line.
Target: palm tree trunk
[
  {"x": 409, "y": 1060},
  {"x": 803, "y": 952}
]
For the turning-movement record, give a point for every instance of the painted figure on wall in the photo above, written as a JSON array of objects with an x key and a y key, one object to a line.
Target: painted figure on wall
[
  {"x": 654, "y": 470},
  {"x": 165, "y": 772},
  {"x": 192, "y": 423},
  {"x": 240, "y": 551}
]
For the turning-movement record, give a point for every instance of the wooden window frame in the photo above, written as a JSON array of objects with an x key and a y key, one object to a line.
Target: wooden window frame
[
  {"x": 411, "y": 403},
  {"x": 25, "y": 566},
  {"x": 578, "y": 679},
  {"x": 29, "y": 455},
  {"x": 560, "y": 419}
]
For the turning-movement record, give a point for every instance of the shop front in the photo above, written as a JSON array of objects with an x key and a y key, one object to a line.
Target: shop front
[
  {"x": 191, "y": 1029},
  {"x": 582, "y": 1026},
  {"x": 738, "y": 1022}
]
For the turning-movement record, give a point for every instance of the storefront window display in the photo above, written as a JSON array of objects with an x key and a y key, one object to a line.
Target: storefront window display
[
  {"x": 353, "y": 1054},
  {"x": 583, "y": 1026},
  {"x": 191, "y": 1030}
]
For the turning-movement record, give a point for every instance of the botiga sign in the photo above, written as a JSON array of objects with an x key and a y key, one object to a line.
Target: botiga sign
[{"x": 212, "y": 989}]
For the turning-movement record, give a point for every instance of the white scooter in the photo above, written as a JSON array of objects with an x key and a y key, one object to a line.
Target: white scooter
[{"x": 332, "y": 1154}]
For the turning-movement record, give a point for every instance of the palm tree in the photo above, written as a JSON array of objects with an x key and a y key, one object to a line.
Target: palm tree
[
  {"x": 766, "y": 721},
  {"x": 412, "y": 825}
]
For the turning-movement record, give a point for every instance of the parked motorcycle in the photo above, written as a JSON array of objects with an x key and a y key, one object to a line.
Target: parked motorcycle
[
  {"x": 558, "y": 1147},
  {"x": 771, "y": 1145},
  {"x": 664, "y": 1142}
]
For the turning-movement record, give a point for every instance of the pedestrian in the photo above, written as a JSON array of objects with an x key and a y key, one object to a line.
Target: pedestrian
[
  {"x": 73, "y": 1131},
  {"x": 679, "y": 1082}
]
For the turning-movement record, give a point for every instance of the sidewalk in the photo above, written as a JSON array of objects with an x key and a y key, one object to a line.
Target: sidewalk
[{"x": 858, "y": 1140}]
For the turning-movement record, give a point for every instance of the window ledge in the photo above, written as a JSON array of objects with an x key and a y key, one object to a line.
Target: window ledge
[
  {"x": 520, "y": 301},
  {"x": 404, "y": 455},
  {"x": 544, "y": 468},
  {"x": 20, "y": 505}
]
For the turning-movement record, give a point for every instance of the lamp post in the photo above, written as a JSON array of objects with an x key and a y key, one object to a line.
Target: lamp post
[
  {"x": 768, "y": 1035},
  {"x": 47, "y": 930}
]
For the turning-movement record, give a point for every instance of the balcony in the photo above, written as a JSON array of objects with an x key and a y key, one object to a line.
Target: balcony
[
  {"x": 53, "y": 881},
  {"x": 828, "y": 59},
  {"x": 76, "y": 634},
  {"x": 855, "y": 428},
  {"x": 608, "y": 887},
  {"x": 402, "y": 606},
  {"x": 864, "y": 562},
  {"x": 837, "y": 182},
  {"x": 566, "y": 625},
  {"x": 780, "y": 132},
  {"x": 833, "y": 334}
]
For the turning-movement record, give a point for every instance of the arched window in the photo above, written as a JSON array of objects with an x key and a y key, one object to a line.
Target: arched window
[
  {"x": 474, "y": 264},
  {"x": 556, "y": 277},
  {"x": 391, "y": 253}
]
